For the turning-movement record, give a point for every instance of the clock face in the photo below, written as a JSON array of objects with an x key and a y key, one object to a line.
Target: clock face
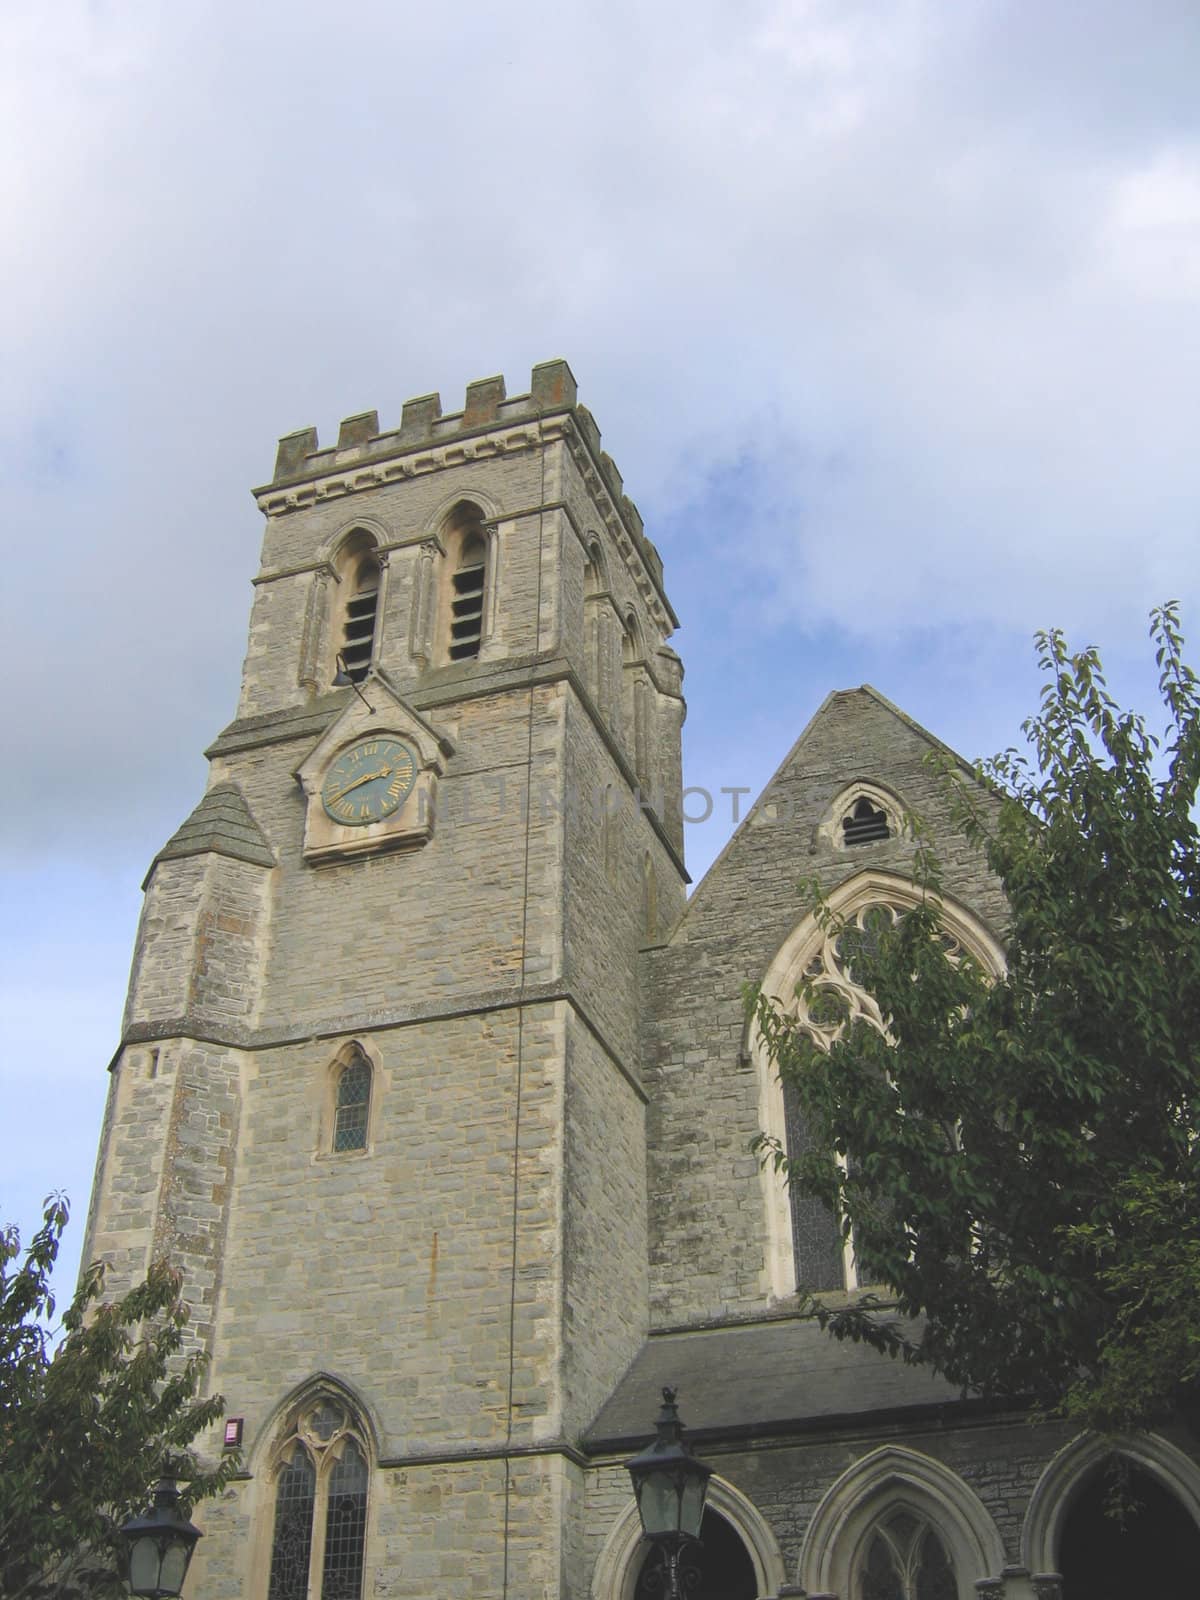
[{"x": 368, "y": 780}]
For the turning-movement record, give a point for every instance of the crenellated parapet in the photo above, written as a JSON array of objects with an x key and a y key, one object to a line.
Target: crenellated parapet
[
  {"x": 360, "y": 441},
  {"x": 491, "y": 424}
]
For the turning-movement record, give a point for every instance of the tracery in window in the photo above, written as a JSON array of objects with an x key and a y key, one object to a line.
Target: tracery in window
[
  {"x": 862, "y": 813},
  {"x": 829, "y": 998},
  {"x": 353, "y": 1107},
  {"x": 814, "y": 975},
  {"x": 321, "y": 1476},
  {"x": 906, "y": 1560}
]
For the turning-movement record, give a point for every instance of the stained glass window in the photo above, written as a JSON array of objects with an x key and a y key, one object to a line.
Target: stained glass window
[
  {"x": 345, "y": 1526},
  {"x": 880, "y": 1580},
  {"x": 905, "y": 1560},
  {"x": 816, "y": 1232},
  {"x": 353, "y": 1104},
  {"x": 295, "y": 1495},
  {"x": 935, "y": 1575}
]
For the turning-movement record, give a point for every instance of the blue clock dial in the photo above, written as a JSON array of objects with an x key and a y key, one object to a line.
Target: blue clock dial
[{"x": 368, "y": 781}]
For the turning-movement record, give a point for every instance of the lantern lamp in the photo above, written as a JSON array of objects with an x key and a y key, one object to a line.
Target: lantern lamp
[
  {"x": 670, "y": 1485},
  {"x": 160, "y": 1544}
]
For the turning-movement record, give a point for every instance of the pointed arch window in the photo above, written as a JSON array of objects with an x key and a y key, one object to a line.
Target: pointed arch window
[
  {"x": 352, "y": 1109},
  {"x": 817, "y": 974},
  {"x": 906, "y": 1560},
  {"x": 291, "y": 1545},
  {"x": 865, "y": 823},
  {"x": 864, "y": 813},
  {"x": 360, "y": 571},
  {"x": 318, "y": 1542},
  {"x": 595, "y": 581},
  {"x": 466, "y": 602},
  {"x": 345, "y": 1526}
]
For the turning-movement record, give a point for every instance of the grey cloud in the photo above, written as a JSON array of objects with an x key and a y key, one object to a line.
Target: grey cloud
[{"x": 926, "y": 265}]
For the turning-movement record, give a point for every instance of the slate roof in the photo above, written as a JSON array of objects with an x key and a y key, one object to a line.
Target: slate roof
[
  {"x": 223, "y": 824},
  {"x": 273, "y": 727},
  {"x": 777, "y": 1376}
]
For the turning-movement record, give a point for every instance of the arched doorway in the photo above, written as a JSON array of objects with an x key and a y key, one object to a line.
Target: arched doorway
[
  {"x": 722, "y": 1568},
  {"x": 1154, "y": 1549}
]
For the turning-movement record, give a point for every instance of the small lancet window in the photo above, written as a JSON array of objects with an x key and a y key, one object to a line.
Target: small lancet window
[
  {"x": 466, "y": 601},
  {"x": 353, "y": 1105},
  {"x": 358, "y": 624},
  {"x": 865, "y": 823}
]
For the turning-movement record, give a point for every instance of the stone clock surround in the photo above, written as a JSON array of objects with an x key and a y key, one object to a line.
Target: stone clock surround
[{"x": 412, "y": 824}]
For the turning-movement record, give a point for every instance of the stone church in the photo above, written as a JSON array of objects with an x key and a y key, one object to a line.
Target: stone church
[{"x": 439, "y": 1087}]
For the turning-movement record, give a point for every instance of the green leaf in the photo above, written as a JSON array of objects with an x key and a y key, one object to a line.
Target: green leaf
[{"x": 1022, "y": 1168}]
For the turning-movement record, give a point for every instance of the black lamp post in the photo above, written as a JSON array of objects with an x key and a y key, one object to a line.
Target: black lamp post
[
  {"x": 160, "y": 1544},
  {"x": 670, "y": 1485}
]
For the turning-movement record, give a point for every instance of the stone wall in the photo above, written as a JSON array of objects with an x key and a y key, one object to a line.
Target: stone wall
[{"x": 704, "y": 1086}]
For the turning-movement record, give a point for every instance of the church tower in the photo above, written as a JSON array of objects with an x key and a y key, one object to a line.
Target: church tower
[{"x": 378, "y": 1091}]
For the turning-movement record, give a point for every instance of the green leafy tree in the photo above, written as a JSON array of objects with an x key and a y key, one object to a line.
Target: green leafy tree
[
  {"x": 85, "y": 1425},
  {"x": 1017, "y": 1158}
]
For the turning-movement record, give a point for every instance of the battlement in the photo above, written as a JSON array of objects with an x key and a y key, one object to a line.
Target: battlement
[
  {"x": 552, "y": 388},
  {"x": 301, "y": 459}
]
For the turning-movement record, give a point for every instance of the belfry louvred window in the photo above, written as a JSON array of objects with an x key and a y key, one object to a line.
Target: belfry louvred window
[
  {"x": 358, "y": 627},
  {"x": 319, "y": 1538},
  {"x": 466, "y": 600}
]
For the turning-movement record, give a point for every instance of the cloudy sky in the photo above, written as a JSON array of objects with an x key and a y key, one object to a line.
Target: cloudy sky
[{"x": 889, "y": 311}]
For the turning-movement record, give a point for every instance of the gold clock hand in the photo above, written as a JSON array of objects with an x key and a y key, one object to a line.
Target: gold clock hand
[{"x": 367, "y": 777}]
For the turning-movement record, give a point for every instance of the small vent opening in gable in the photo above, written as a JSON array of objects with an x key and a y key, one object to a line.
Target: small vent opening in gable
[{"x": 865, "y": 823}]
